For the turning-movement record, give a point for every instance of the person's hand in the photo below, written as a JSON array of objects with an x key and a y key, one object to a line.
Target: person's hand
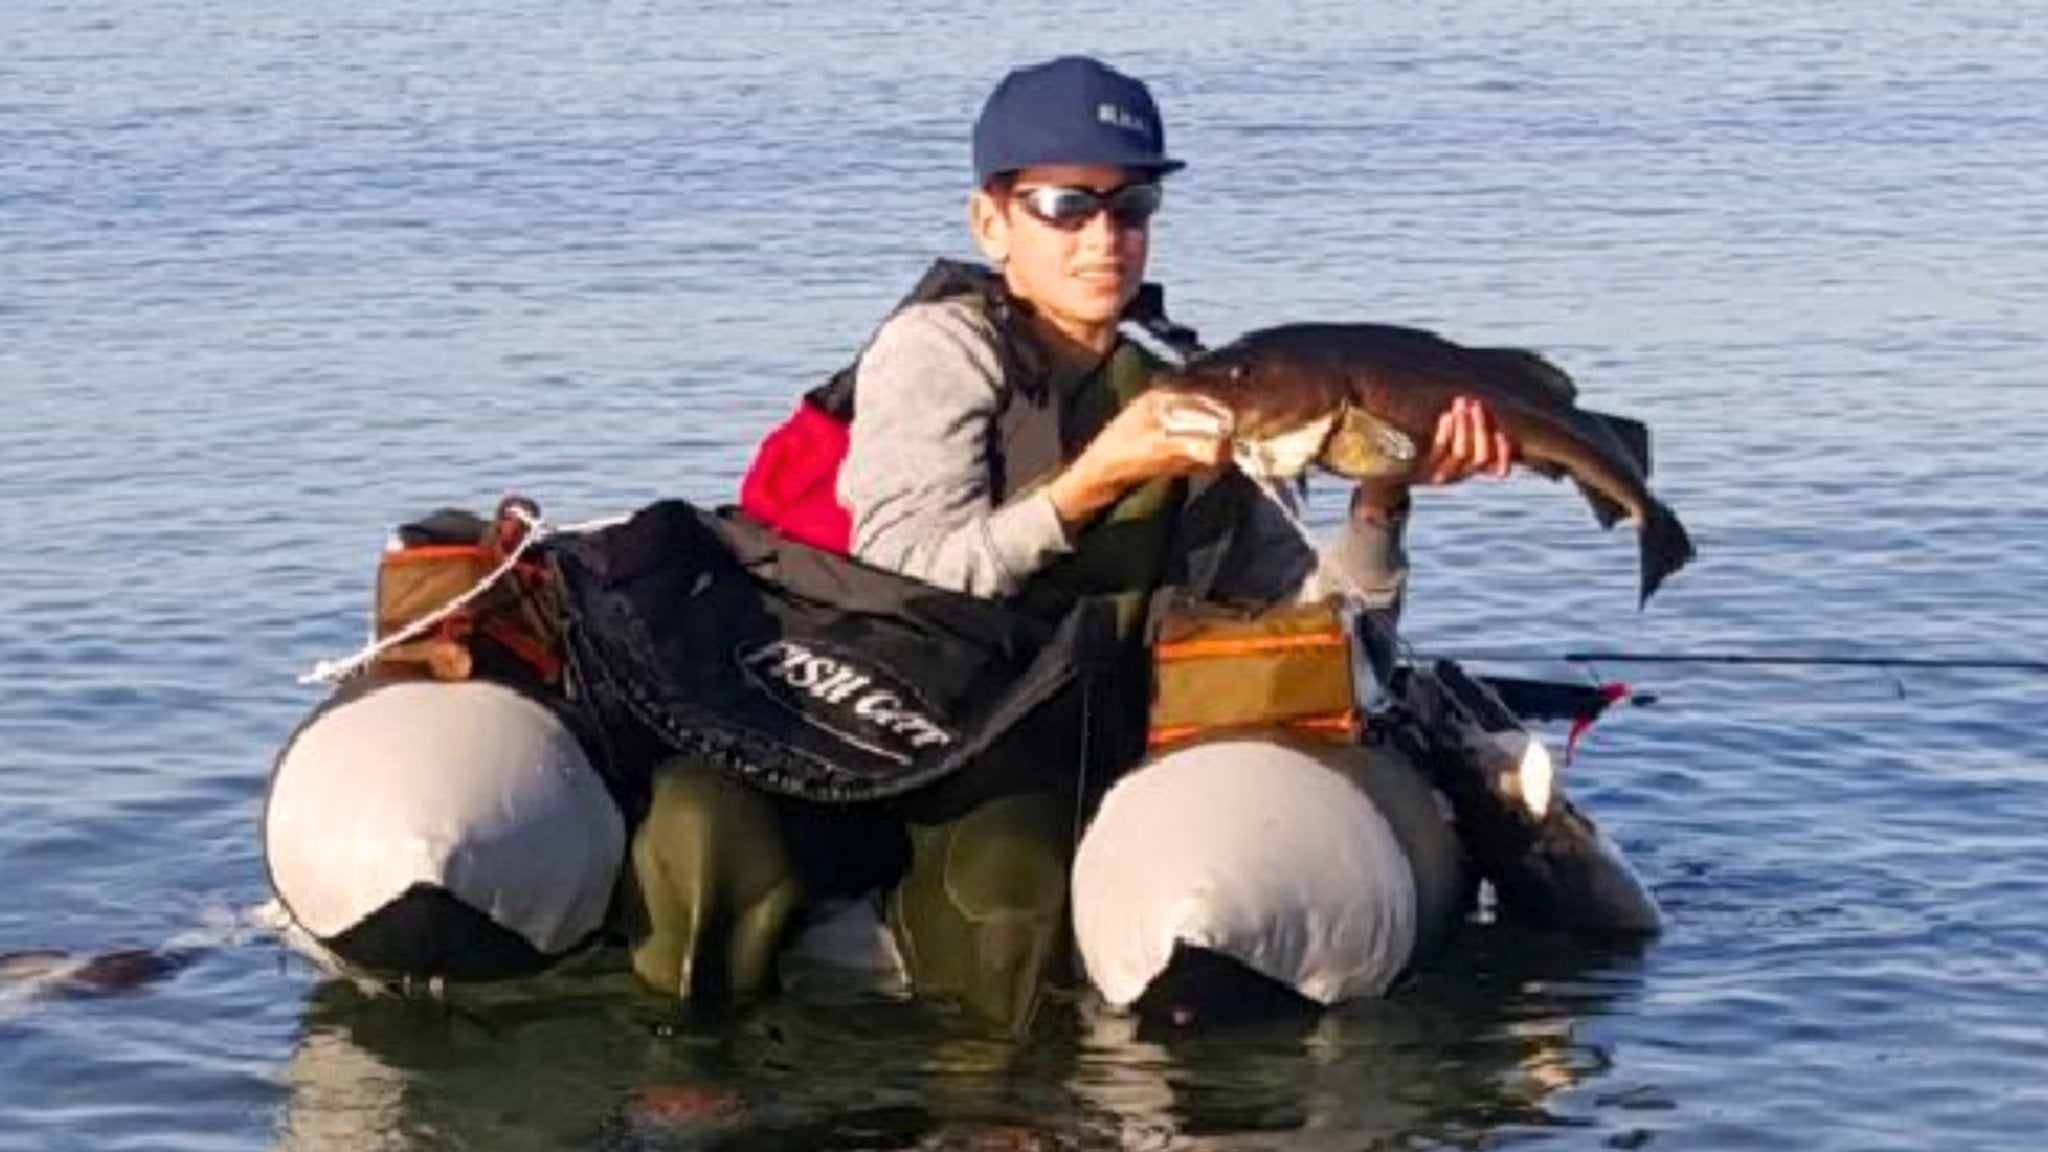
[
  {"x": 1160, "y": 433},
  {"x": 1468, "y": 442}
]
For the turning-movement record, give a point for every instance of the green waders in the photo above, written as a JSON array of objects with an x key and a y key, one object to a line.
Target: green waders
[
  {"x": 720, "y": 874},
  {"x": 976, "y": 867}
]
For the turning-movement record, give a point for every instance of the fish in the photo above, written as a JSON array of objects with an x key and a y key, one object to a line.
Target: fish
[
  {"x": 108, "y": 973},
  {"x": 32, "y": 976},
  {"x": 1362, "y": 401}
]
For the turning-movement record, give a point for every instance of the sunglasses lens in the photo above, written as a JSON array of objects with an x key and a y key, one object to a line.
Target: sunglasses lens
[
  {"x": 1062, "y": 207},
  {"x": 1068, "y": 208},
  {"x": 1133, "y": 204}
]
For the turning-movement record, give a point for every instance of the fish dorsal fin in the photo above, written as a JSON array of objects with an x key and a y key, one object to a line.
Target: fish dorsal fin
[
  {"x": 1634, "y": 436},
  {"x": 1529, "y": 367}
]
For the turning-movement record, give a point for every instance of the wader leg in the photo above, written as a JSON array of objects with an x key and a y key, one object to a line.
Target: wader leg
[
  {"x": 982, "y": 911},
  {"x": 711, "y": 886}
]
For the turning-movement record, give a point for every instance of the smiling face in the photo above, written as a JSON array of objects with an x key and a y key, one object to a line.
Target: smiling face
[{"x": 1078, "y": 274}]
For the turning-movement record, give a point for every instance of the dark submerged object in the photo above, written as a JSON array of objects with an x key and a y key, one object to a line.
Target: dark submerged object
[
  {"x": 1384, "y": 388},
  {"x": 1553, "y": 872},
  {"x": 106, "y": 974}
]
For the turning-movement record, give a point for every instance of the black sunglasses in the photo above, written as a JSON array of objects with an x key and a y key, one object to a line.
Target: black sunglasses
[{"x": 1067, "y": 208}]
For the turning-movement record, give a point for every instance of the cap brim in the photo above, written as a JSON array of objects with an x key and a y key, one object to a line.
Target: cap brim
[{"x": 1149, "y": 163}]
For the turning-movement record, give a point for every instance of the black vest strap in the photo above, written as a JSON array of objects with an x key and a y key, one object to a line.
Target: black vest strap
[
  {"x": 944, "y": 280},
  {"x": 1148, "y": 311}
]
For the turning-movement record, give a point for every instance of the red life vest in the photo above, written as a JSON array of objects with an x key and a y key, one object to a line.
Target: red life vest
[{"x": 792, "y": 485}]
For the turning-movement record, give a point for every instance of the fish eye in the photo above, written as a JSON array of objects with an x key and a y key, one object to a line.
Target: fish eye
[{"x": 1239, "y": 372}]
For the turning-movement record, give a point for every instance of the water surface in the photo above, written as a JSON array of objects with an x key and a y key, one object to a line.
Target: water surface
[{"x": 273, "y": 278}]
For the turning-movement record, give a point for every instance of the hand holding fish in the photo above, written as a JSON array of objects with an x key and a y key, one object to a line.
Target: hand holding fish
[
  {"x": 1469, "y": 441},
  {"x": 1158, "y": 434}
]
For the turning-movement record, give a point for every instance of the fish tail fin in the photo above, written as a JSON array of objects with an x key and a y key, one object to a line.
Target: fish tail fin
[{"x": 1666, "y": 547}]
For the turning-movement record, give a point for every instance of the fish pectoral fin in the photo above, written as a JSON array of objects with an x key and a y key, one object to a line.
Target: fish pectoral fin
[{"x": 1362, "y": 446}]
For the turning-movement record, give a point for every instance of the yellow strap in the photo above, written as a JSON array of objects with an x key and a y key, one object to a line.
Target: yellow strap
[
  {"x": 1333, "y": 723},
  {"x": 1245, "y": 645}
]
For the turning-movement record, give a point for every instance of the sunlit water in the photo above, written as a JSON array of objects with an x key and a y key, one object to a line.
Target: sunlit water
[{"x": 273, "y": 277}]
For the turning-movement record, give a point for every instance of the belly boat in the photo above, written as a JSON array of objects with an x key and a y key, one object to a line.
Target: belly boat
[{"x": 429, "y": 826}]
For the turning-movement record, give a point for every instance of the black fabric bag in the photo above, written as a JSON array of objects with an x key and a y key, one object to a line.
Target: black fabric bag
[{"x": 809, "y": 674}]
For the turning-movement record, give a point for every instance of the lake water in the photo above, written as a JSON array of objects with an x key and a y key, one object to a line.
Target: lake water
[{"x": 275, "y": 277}]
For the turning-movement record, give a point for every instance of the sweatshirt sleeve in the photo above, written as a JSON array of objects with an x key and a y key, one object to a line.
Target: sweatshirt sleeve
[
  {"x": 1270, "y": 559},
  {"x": 916, "y": 479}
]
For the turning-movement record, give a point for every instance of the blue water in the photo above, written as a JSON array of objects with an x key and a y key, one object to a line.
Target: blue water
[{"x": 274, "y": 277}]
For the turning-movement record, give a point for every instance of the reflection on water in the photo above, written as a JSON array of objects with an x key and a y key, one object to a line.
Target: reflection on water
[
  {"x": 586, "y": 1060},
  {"x": 1480, "y": 1047}
]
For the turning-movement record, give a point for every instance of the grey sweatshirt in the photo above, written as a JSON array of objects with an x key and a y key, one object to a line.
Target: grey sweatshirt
[{"x": 917, "y": 481}]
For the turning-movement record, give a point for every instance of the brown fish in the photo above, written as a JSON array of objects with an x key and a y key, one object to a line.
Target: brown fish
[{"x": 1362, "y": 400}]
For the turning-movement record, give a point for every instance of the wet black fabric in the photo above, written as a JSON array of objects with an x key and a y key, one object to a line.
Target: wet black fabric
[
  {"x": 429, "y": 932},
  {"x": 809, "y": 674}
]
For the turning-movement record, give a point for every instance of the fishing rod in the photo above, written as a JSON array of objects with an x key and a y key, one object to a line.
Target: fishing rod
[{"x": 1757, "y": 659}]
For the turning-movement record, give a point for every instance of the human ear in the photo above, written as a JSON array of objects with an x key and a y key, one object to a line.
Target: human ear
[{"x": 990, "y": 227}]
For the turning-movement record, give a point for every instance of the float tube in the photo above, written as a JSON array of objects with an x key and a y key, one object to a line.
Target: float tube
[
  {"x": 457, "y": 828},
  {"x": 450, "y": 829},
  {"x": 1327, "y": 869}
]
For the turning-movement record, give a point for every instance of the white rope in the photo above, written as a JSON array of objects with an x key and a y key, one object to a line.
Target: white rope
[
  {"x": 1274, "y": 493},
  {"x": 537, "y": 529}
]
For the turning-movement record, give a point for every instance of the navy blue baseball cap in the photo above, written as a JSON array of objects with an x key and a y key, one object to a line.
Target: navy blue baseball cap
[{"x": 1070, "y": 110}]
